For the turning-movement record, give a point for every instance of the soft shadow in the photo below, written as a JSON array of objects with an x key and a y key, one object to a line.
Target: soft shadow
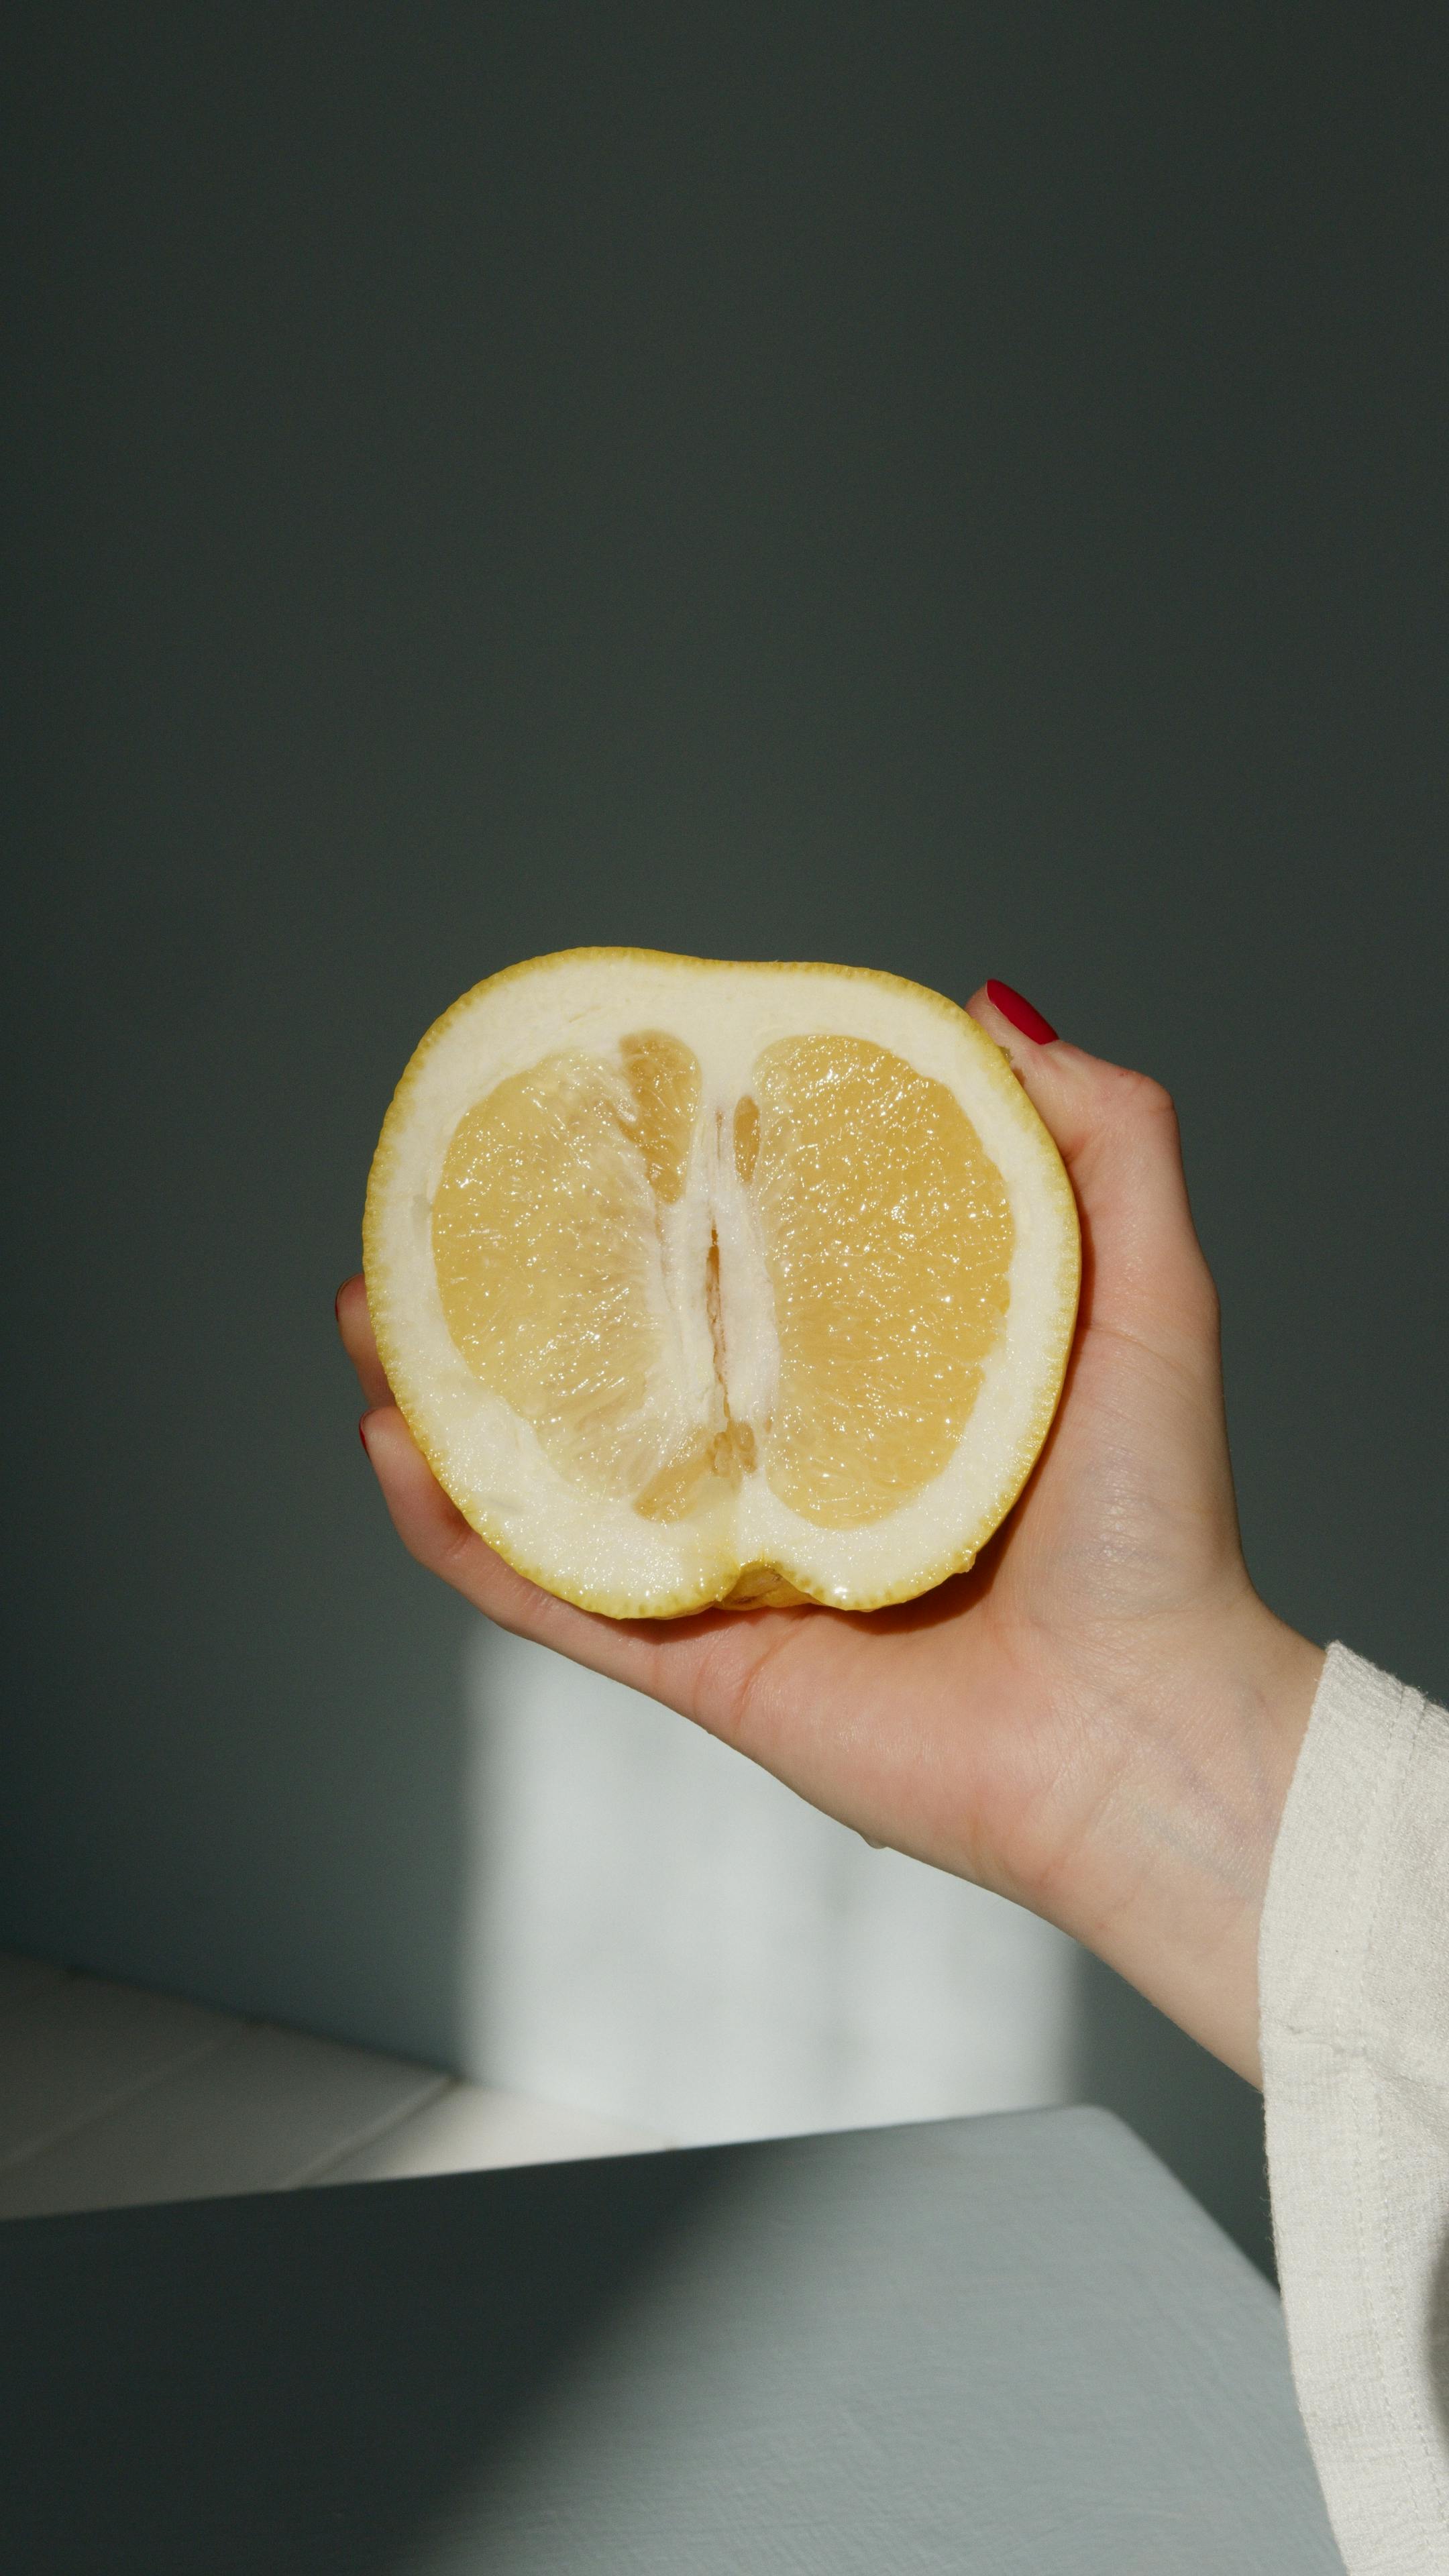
[
  {"x": 929, "y": 2347},
  {"x": 1437, "y": 2331},
  {"x": 302, "y": 2382},
  {"x": 1202, "y": 2120}
]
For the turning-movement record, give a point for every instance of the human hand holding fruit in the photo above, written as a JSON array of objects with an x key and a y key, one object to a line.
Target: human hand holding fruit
[{"x": 1101, "y": 1718}]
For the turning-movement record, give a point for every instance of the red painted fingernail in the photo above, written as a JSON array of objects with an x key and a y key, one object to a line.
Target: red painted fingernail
[
  {"x": 1015, "y": 1007},
  {"x": 362, "y": 1433}
]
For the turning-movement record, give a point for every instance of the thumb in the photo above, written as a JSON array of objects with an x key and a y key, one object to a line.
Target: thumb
[{"x": 1117, "y": 1134}]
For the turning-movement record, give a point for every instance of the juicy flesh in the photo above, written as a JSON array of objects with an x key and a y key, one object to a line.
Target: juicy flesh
[{"x": 804, "y": 1283}]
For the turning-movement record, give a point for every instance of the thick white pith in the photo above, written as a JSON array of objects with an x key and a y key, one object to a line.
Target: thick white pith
[
  {"x": 716, "y": 1304},
  {"x": 747, "y": 1345},
  {"x": 595, "y": 1548}
]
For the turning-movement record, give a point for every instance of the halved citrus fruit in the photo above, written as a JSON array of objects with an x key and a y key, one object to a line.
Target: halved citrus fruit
[{"x": 700, "y": 1282}]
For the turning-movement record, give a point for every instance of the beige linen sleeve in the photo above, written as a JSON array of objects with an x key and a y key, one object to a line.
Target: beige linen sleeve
[{"x": 1354, "y": 1989}]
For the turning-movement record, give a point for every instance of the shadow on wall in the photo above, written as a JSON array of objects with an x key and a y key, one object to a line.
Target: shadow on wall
[{"x": 656, "y": 1931}]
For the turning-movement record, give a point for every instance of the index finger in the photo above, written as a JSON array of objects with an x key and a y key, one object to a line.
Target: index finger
[{"x": 355, "y": 1326}]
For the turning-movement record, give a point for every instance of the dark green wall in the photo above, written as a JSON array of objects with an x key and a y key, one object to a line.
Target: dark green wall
[{"x": 960, "y": 490}]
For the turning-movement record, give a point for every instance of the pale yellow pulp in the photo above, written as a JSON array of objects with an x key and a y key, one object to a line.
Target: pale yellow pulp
[{"x": 886, "y": 1238}]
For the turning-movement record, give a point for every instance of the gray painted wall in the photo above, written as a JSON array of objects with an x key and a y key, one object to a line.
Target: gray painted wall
[{"x": 957, "y": 490}]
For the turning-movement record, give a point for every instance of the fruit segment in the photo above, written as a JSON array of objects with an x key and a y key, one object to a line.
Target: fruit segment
[
  {"x": 888, "y": 1238},
  {"x": 544, "y": 1233},
  {"x": 664, "y": 1078}
]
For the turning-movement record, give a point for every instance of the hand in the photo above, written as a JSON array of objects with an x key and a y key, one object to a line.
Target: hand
[{"x": 1101, "y": 1719}]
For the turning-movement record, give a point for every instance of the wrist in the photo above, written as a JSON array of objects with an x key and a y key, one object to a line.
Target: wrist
[{"x": 1168, "y": 1887}]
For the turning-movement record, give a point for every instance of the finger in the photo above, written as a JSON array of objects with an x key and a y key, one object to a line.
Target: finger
[
  {"x": 660, "y": 1658},
  {"x": 355, "y": 1326},
  {"x": 1117, "y": 1133},
  {"x": 433, "y": 1530},
  {"x": 709, "y": 1668}
]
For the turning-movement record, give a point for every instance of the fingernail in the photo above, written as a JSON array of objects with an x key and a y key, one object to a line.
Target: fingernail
[
  {"x": 337, "y": 1304},
  {"x": 1015, "y": 1007},
  {"x": 362, "y": 1433}
]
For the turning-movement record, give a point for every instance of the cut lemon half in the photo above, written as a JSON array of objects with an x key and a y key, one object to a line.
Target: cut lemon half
[{"x": 699, "y": 1282}]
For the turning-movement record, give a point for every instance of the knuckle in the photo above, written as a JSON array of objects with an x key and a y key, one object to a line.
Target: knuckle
[{"x": 1142, "y": 1096}]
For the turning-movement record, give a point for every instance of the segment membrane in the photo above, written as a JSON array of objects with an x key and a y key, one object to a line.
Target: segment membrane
[{"x": 888, "y": 1238}]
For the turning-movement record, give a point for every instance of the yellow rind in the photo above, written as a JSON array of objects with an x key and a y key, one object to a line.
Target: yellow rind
[{"x": 784, "y": 1579}]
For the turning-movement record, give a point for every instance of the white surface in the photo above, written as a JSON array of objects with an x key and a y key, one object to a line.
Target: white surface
[
  {"x": 661, "y": 1934},
  {"x": 471, "y": 2126},
  {"x": 1355, "y": 2001},
  {"x": 969, "y": 2348},
  {"x": 75, "y": 2049},
  {"x": 259, "y": 2112},
  {"x": 110, "y": 2096}
]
